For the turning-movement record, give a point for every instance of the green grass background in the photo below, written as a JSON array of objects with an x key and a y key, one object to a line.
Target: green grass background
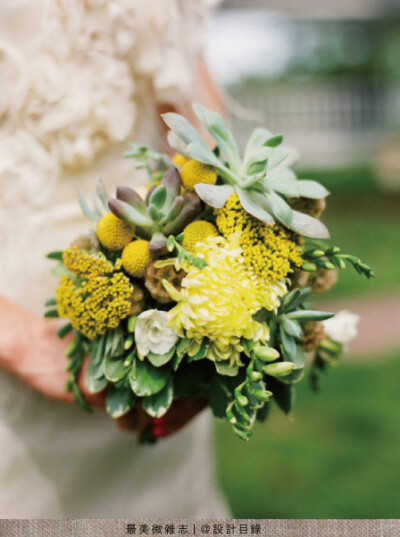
[{"x": 338, "y": 455}]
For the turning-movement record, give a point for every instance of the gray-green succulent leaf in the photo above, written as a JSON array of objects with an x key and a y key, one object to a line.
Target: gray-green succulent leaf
[
  {"x": 214, "y": 195},
  {"x": 262, "y": 179}
]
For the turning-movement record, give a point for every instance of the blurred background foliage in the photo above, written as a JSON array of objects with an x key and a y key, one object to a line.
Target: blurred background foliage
[{"x": 327, "y": 76}]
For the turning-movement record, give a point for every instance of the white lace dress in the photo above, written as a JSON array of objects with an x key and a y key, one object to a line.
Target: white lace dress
[{"x": 79, "y": 79}]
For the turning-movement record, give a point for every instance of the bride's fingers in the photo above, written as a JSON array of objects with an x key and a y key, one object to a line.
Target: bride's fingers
[
  {"x": 135, "y": 420},
  {"x": 182, "y": 411}
]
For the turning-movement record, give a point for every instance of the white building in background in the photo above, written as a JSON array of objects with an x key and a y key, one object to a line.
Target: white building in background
[{"x": 334, "y": 121}]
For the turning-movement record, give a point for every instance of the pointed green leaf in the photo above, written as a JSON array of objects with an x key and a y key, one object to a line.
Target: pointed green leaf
[
  {"x": 119, "y": 401},
  {"x": 157, "y": 405},
  {"x": 145, "y": 379},
  {"x": 213, "y": 195},
  {"x": 311, "y": 189},
  {"x": 225, "y": 368},
  {"x": 250, "y": 206},
  {"x": 159, "y": 360},
  {"x": 114, "y": 369},
  {"x": 308, "y": 226}
]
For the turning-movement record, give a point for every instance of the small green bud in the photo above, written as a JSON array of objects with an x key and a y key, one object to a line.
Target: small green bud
[
  {"x": 266, "y": 354},
  {"x": 255, "y": 375},
  {"x": 280, "y": 369},
  {"x": 128, "y": 342},
  {"x": 132, "y": 323},
  {"x": 69, "y": 351},
  {"x": 332, "y": 250},
  {"x": 317, "y": 253},
  {"x": 325, "y": 264},
  {"x": 154, "y": 213},
  {"x": 307, "y": 266}
]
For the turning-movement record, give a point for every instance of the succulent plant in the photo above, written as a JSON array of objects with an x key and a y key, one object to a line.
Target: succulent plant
[
  {"x": 262, "y": 179},
  {"x": 164, "y": 212}
]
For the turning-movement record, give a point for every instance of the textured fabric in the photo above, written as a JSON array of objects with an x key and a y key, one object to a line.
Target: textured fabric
[
  {"x": 79, "y": 79},
  {"x": 269, "y": 528}
]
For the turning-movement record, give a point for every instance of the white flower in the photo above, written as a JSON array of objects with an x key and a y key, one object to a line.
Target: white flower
[
  {"x": 342, "y": 327},
  {"x": 153, "y": 334}
]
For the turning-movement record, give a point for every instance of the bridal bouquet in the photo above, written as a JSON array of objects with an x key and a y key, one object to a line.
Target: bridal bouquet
[{"x": 202, "y": 287}]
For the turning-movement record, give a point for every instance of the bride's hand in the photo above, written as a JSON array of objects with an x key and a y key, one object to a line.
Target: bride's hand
[
  {"x": 31, "y": 350},
  {"x": 180, "y": 413}
]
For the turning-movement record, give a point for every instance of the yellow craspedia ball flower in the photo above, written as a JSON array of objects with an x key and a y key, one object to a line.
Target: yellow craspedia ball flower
[
  {"x": 198, "y": 231},
  {"x": 114, "y": 233},
  {"x": 195, "y": 172},
  {"x": 179, "y": 160},
  {"x": 136, "y": 258}
]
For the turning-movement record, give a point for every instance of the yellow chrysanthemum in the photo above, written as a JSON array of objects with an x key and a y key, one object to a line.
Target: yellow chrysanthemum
[
  {"x": 195, "y": 172},
  {"x": 269, "y": 250},
  {"x": 113, "y": 233},
  {"x": 136, "y": 258},
  {"x": 218, "y": 302},
  {"x": 179, "y": 160},
  {"x": 95, "y": 295},
  {"x": 198, "y": 231}
]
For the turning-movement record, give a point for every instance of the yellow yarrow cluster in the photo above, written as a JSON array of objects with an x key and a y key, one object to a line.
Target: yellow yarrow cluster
[
  {"x": 113, "y": 233},
  {"x": 218, "y": 302},
  {"x": 194, "y": 172},
  {"x": 96, "y": 295},
  {"x": 267, "y": 249},
  {"x": 198, "y": 231}
]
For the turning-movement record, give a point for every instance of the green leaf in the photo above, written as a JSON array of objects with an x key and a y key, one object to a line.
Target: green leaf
[
  {"x": 311, "y": 189},
  {"x": 102, "y": 193},
  {"x": 292, "y": 327},
  {"x": 257, "y": 167},
  {"x": 86, "y": 210},
  {"x": 221, "y": 133},
  {"x": 114, "y": 343},
  {"x": 285, "y": 186},
  {"x": 58, "y": 255},
  {"x": 284, "y": 395},
  {"x": 145, "y": 379},
  {"x": 295, "y": 376},
  {"x": 160, "y": 359},
  {"x": 225, "y": 368},
  {"x": 214, "y": 195},
  {"x": 274, "y": 141},
  {"x": 129, "y": 214},
  {"x": 95, "y": 381},
  {"x": 119, "y": 401},
  {"x": 114, "y": 368},
  {"x": 278, "y": 207},
  {"x": 288, "y": 345},
  {"x": 158, "y": 197},
  {"x": 157, "y": 405},
  {"x": 182, "y": 128},
  {"x": 251, "y": 206},
  {"x": 64, "y": 330},
  {"x": 308, "y": 226},
  {"x": 310, "y": 315},
  {"x": 202, "y": 353},
  {"x": 51, "y": 301},
  {"x": 79, "y": 398},
  {"x": 206, "y": 156},
  {"x": 257, "y": 141},
  {"x": 221, "y": 394},
  {"x": 51, "y": 314}
]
